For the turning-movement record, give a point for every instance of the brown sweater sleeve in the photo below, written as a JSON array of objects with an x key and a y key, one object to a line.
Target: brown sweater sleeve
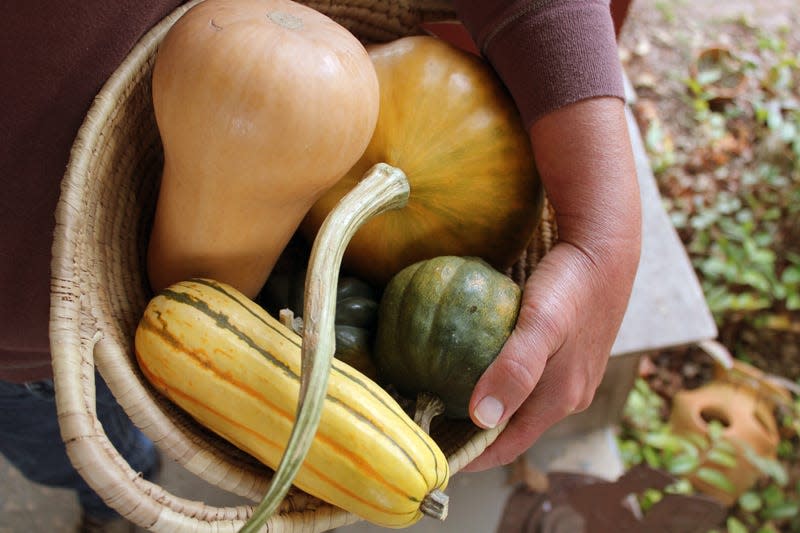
[{"x": 549, "y": 53}]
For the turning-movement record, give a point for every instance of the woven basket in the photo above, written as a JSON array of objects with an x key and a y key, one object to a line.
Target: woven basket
[{"x": 99, "y": 291}]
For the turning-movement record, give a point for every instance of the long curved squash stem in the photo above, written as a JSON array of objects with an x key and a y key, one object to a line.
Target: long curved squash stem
[{"x": 383, "y": 187}]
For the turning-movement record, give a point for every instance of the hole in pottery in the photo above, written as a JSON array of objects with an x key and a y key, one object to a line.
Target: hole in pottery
[{"x": 714, "y": 414}]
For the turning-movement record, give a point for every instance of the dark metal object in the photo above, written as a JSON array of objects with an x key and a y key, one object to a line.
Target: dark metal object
[{"x": 579, "y": 503}]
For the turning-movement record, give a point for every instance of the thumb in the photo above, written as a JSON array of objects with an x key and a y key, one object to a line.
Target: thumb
[{"x": 538, "y": 334}]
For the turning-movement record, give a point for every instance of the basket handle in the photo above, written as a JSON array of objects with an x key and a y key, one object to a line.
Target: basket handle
[
  {"x": 108, "y": 473},
  {"x": 88, "y": 446}
]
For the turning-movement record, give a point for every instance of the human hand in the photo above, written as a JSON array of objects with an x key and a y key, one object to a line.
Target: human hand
[{"x": 573, "y": 303}]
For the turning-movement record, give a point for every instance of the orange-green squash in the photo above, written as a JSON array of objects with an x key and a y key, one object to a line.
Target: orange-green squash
[{"x": 448, "y": 122}]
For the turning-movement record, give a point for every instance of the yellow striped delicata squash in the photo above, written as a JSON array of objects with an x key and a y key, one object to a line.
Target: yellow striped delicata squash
[{"x": 319, "y": 423}]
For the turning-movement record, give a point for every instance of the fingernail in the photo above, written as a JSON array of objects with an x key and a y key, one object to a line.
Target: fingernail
[{"x": 488, "y": 411}]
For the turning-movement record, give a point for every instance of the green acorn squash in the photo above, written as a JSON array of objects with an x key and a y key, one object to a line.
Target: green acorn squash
[{"x": 441, "y": 322}]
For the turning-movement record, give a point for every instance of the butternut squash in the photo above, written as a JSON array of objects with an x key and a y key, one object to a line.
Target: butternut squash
[{"x": 261, "y": 105}]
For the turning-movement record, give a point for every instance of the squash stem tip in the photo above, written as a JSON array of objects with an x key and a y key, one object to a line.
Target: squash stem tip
[{"x": 435, "y": 504}]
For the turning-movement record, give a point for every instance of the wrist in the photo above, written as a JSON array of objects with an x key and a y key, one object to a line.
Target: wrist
[{"x": 584, "y": 155}]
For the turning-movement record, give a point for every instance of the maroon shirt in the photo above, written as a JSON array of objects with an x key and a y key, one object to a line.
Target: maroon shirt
[{"x": 55, "y": 57}]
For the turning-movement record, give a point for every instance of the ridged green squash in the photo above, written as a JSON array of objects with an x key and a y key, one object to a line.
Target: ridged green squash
[{"x": 441, "y": 323}]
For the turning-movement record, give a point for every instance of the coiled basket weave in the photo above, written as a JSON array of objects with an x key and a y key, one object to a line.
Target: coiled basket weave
[{"x": 99, "y": 291}]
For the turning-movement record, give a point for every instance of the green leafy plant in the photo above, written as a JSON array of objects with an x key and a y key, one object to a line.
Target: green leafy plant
[
  {"x": 648, "y": 438},
  {"x": 729, "y": 173},
  {"x": 735, "y": 217}
]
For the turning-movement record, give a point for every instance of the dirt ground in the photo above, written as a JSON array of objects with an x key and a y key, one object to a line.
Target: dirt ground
[
  {"x": 658, "y": 44},
  {"x": 661, "y": 37}
]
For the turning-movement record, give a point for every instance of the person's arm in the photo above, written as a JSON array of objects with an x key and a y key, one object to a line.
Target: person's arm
[
  {"x": 574, "y": 301},
  {"x": 559, "y": 61}
]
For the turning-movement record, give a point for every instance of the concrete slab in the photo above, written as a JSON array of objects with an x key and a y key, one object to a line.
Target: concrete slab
[
  {"x": 27, "y": 506},
  {"x": 667, "y": 306}
]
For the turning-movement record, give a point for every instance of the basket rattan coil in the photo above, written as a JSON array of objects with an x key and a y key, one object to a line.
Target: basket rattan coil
[{"x": 98, "y": 292}]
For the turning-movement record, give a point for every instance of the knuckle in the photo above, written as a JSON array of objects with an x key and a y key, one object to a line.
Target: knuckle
[
  {"x": 519, "y": 373},
  {"x": 584, "y": 403},
  {"x": 578, "y": 395},
  {"x": 542, "y": 326}
]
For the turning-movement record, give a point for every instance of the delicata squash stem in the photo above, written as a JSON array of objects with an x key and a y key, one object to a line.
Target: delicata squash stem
[{"x": 383, "y": 188}]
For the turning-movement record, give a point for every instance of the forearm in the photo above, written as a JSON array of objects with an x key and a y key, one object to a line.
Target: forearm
[
  {"x": 584, "y": 156},
  {"x": 559, "y": 60},
  {"x": 575, "y": 299}
]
